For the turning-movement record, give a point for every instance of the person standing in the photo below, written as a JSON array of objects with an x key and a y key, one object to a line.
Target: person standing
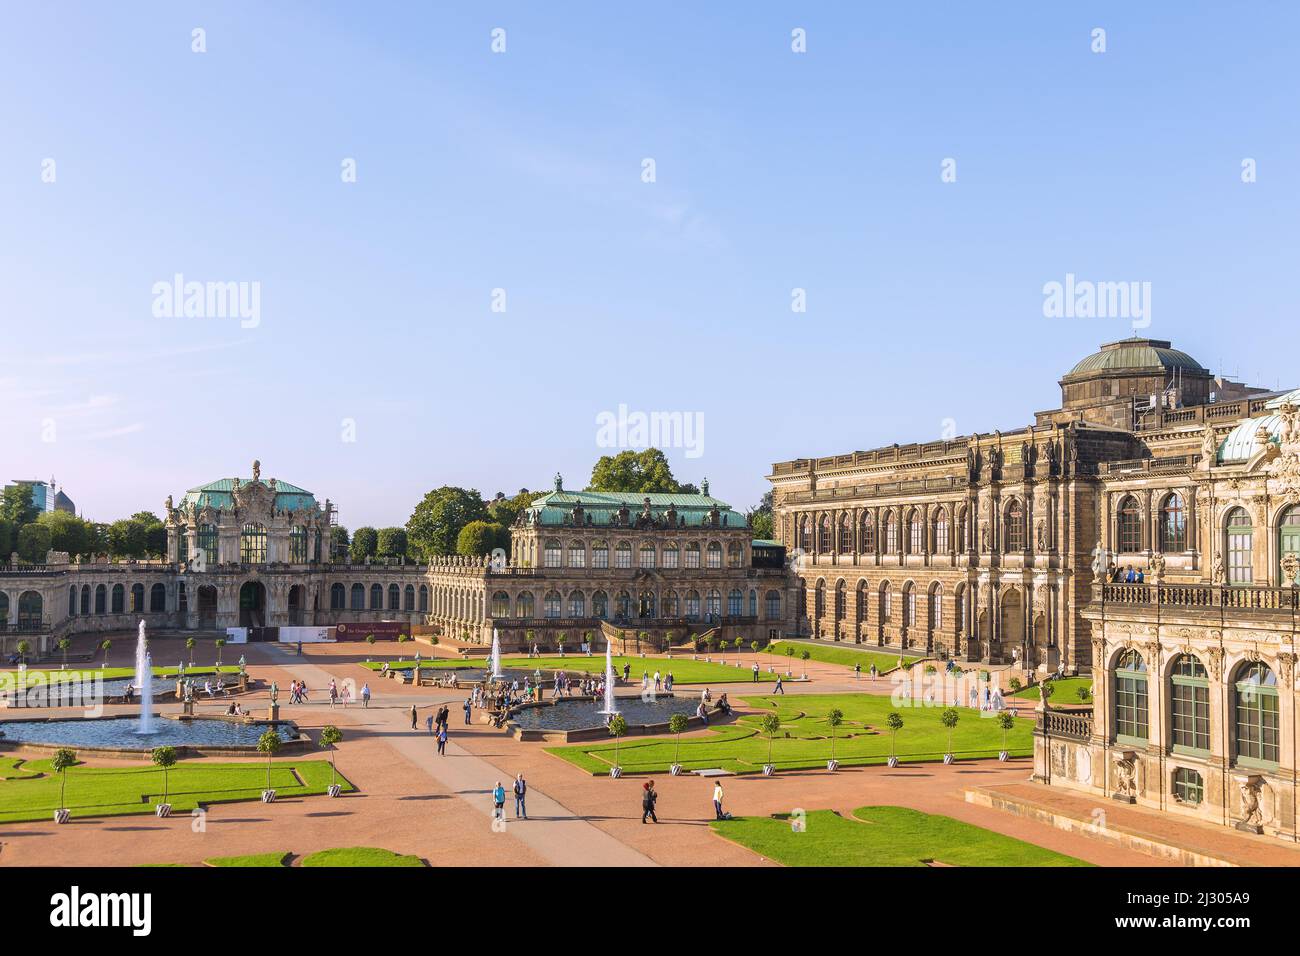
[
  {"x": 334, "y": 697},
  {"x": 413, "y": 714},
  {"x": 756, "y": 672},
  {"x": 365, "y": 695},
  {"x": 857, "y": 671},
  {"x": 627, "y": 670},
  {"x": 469, "y": 709},
  {"x": 648, "y": 798},
  {"x": 521, "y": 792},
  {"x": 442, "y": 741},
  {"x": 717, "y": 801},
  {"x": 499, "y": 801}
]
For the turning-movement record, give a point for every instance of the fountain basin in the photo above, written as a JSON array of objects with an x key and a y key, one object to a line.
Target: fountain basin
[
  {"x": 120, "y": 737},
  {"x": 574, "y": 719}
]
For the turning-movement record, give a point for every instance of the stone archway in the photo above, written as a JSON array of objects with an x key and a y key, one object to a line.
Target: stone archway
[
  {"x": 296, "y": 605},
  {"x": 1011, "y": 623},
  {"x": 206, "y": 606},
  {"x": 252, "y": 604}
]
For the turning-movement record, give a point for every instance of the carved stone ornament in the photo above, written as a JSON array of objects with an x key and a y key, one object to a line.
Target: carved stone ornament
[{"x": 1126, "y": 770}]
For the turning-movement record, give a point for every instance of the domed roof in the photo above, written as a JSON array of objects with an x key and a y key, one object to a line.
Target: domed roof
[
  {"x": 218, "y": 494},
  {"x": 1137, "y": 354},
  {"x": 1240, "y": 445}
]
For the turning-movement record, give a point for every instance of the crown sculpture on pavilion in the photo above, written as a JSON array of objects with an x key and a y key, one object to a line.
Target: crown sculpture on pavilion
[{"x": 1284, "y": 468}]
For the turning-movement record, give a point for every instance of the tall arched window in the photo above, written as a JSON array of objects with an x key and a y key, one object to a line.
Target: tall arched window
[
  {"x": 600, "y": 605},
  {"x": 692, "y": 604},
  {"x": 338, "y": 596},
  {"x": 600, "y": 554},
  {"x": 158, "y": 597},
  {"x": 961, "y": 607},
  {"x": 841, "y": 600},
  {"x": 623, "y": 605},
  {"x": 773, "y": 602},
  {"x": 735, "y": 602},
  {"x": 672, "y": 556},
  {"x": 137, "y": 599},
  {"x": 1131, "y": 714},
  {"x": 825, "y": 540},
  {"x": 713, "y": 555},
  {"x": 31, "y": 610},
  {"x": 252, "y": 544},
  {"x": 424, "y": 599},
  {"x": 671, "y": 607},
  {"x": 500, "y": 604},
  {"x": 869, "y": 533},
  {"x": 846, "y": 535},
  {"x": 753, "y": 603},
  {"x": 1240, "y": 541},
  {"x": 805, "y": 535},
  {"x": 101, "y": 600},
  {"x": 936, "y": 607},
  {"x": 915, "y": 530},
  {"x": 577, "y": 554},
  {"x": 860, "y": 612},
  {"x": 376, "y": 597},
  {"x": 941, "y": 541},
  {"x": 646, "y": 556},
  {"x": 886, "y": 603},
  {"x": 623, "y": 555},
  {"x": 735, "y": 555},
  {"x": 891, "y": 534},
  {"x": 713, "y": 602},
  {"x": 577, "y": 604},
  {"x": 1189, "y": 706},
  {"x": 551, "y": 553},
  {"x": 692, "y": 555},
  {"x": 1288, "y": 539},
  {"x": 1173, "y": 524},
  {"x": 909, "y": 604},
  {"x": 819, "y": 600},
  {"x": 1014, "y": 528},
  {"x": 1256, "y": 715},
  {"x": 1130, "y": 525},
  {"x": 358, "y": 600},
  {"x": 551, "y": 604},
  {"x": 963, "y": 530},
  {"x": 394, "y": 597},
  {"x": 524, "y": 605},
  {"x": 408, "y": 598},
  {"x": 85, "y": 599},
  {"x": 298, "y": 544},
  {"x": 119, "y": 599},
  {"x": 208, "y": 542},
  {"x": 72, "y": 601}
]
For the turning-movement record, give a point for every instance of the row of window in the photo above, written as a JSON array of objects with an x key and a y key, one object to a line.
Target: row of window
[
  {"x": 1171, "y": 531},
  {"x": 252, "y": 544},
  {"x": 886, "y": 603},
  {"x": 31, "y": 608},
  {"x": 647, "y": 556},
  {"x": 399, "y": 599},
  {"x": 1255, "y": 714},
  {"x": 645, "y": 604},
  {"x": 114, "y": 601}
]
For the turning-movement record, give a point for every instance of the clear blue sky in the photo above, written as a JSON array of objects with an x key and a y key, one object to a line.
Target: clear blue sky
[{"x": 522, "y": 171}]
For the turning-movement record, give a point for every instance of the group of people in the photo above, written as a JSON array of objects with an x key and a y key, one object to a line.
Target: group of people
[
  {"x": 662, "y": 682},
  {"x": 437, "y": 724},
  {"x": 1128, "y": 575}
]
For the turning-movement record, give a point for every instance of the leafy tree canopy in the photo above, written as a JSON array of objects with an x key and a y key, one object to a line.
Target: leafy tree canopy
[
  {"x": 435, "y": 525},
  {"x": 645, "y": 472}
]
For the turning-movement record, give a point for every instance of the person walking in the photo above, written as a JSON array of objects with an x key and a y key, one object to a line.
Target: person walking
[
  {"x": 442, "y": 741},
  {"x": 756, "y": 672},
  {"x": 413, "y": 716},
  {"x": 857, "y": 671},
  {"x": 521, "y": 793},
  {"x": 627, "y": 669},
  {"x": 717, "y": 801},
  {"x": 469, "y": 709},
  {"x": 429, "y": 725},
  {"x": 648, "y": 798},
  {"x": 334, "y": 695},
  {"x": 779, "y": 688},
  {"x": 499, "y": 802},
  {"x": 365, "y": 695}
]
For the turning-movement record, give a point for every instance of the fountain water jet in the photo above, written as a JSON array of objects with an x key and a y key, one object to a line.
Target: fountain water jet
[
  {"x": 495, "y": 660},
  {"x": 609, "y": 710},
  {"x": 144, "y": 681}
]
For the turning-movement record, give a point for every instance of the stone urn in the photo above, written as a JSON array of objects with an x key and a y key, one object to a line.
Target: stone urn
[
  {"x": 334, "y": 789},
  {"x": 61, "y": 816},
  {"x": 162, "y": 809},
  {"x": 616, "y": 772},
  {"x": 268, "y": 796},
  {"x": 892, "y": 761},
  {"x": 768, "y": 770},
  {"x": 947, "y": 758},
  {"x": 832, "y": 765},
  {"x": 675, "y": 770},
  {"x": 1003, "y": 756}
]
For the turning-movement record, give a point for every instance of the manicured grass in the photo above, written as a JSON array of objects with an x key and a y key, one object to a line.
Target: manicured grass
[
  {"x": 846, "y": 655},
  {"x": 685, "y": 670},
  {"x": 114, "y": 673},
  {"x": 884, "y": 836},
  {"x": 1064, "y": 692},
  {"x": 426, "y": 663},
  {"x": 361, "y": 856},
  {"x": 251, "y": 859},
  {"x": 862, "y": 739},
  {"x": 116, "y": 791}
]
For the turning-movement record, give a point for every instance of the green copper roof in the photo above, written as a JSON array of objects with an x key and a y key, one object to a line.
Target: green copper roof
[
  {"x": 1240, "y": 443},
  {"x": 1137, "y": 354},
  {"x": 555, "y": 506},
  {"x": 216, "y": 494}
]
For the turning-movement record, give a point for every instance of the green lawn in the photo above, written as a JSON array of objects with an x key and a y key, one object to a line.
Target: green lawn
[
  {"x": 251, "y": 859},
  {"x": 1065, "y": 692},
  {"x": 862, "y": 739},
  {"x": 114, "y": 673},
  {"x": 846, "y": 655},
  {"x": 884, "y": 836},
  {"x": 115, "y": 791},
  {"x": 360, "y": 856},
  {"x": 685, "y": 670}
]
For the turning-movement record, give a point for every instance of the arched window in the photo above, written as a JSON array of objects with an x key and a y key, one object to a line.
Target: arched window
[
  {"x": 825, "y": 541},
  {"x": 941, "y": 531},
  {"x": 961, "y": 607},
  {"x": 963, "y": 530},
  {"x": 298, "y": 544},
  {"x": 72, "y": 601},
  {"x": 31, "y": 610},
  {"x": 891, "y": 534},
  {"x": 577, "y": 604},
  {"x": 524, "y": 604},
  {"x": 208, "y": 542},
  {"x": 860, "y": 612},
  {"x": 936, "y": 607},
  {"x": 577, "y": 555},
  {"x": 1173, "y": 524},
  {"x": 671, "y": 606},
  {"x": 119, "y": 599},
  {"x": 646, "y": 556},
  {"x": 819, "y": 600},
  {"x": 869, "y": 532},
  {"x": 1288, "y": 539},
  {"x": 1131, "y": 714},
  {"x": 158, "y": 597},
  {"x": 1014, "y": 538},
  {"x": 252, "y": 544},
  {"x": 846, "y": 535},
  {"x": 1130, "y": 525},
  {"x": 692, "y": 604},
  {"x": 1240, "y": 541},
  {"x": 1256, "y": 715},
  {"x": 101, "y": 600},
  {"x": 773, "y": 602},
  {"x": 1189, "y": 706},
  {"x": 692, "y": 555},
  {"x": 713, "y": 603},
  {"x": 841, "y": 600},
  {"x": 909, "y": 604},
  {"x": 358, "y": 597},
  {"x": 915, "y": 543},
  {"x": 886, "y": 603},
  {"x": 753, "y": 603},
  {"x": 600, "y": 554},
  {"x": 735, "y": 555},
  {"x": 424, "y": 599},
  {"x": 805, "y": 536},
  {"x": 500, "y": 604},
  {"x": 623, "y": 555},
  {"x": 713, "y": 555},
  {"x": 137, "y": 599},
  {"x": 408, "y": 598},
  {"x": 551, "y": 604},
  {"x": 735, "y": 602},
  {"x": 551, "y": 553},
  {"x": 671, "y": 556},
  {"x": 394, "y": 598},
  {"x": 623, "y": 605},
  {"x": 645, "y": 604},
  {"x": 600, "y": 605},
  {"x": 376, "y": 597},
  {"x": 338, "y": 597}
]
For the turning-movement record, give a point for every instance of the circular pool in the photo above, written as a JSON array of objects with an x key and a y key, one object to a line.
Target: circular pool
[
  {"x": 582, "y": 713},
  {"x": 122, "y": 733}
]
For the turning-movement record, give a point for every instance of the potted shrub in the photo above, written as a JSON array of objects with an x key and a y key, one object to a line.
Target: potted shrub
[
  {"x": 949, "y": 719},
  {"x": 1084, "y": 695},
  {"x": 24, "y": 648},
  {"x": 189, "y": 646},
  {"x": 269, "y": 743},
  {"x": 220, "y": 642},
  {"x": 804, "y": 657},
  {"x": 329, "y": 736},
  {"x": 677, "y": 725},
  {"x": 1014, "y": 684},
  {"x": 63, "y": 758},
  {"x": 833, "y": 720},
  {"x": 1045, "y": 691},
  {"x": 164, "y": 757},
  {"x": 588, "y": 640},
  {"x": 895, "y": 723},
  {"x": 64, "y": 644},
  {"x": 753, "y": 646},
  {"x": 1006, "y": 720},
  {"x": 617, "y": 728},
  {"x": 104, "y": 646},
  {"x": 560, "y": 638},
  {"x": 771, "y": 726}
]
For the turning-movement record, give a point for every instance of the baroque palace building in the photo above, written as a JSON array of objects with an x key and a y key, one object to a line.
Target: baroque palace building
[
  {"x": 254, "y": 553},
  {"x": 1026, "y": 546}
]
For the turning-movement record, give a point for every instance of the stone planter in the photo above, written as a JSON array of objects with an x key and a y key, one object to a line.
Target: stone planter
[
  {"x": 61, "y": 816},
  {"x": 768, "y": 770},
  {"x": 334, "y": 790},
  {"x": 675, "y": 770},
  {"x": 268, "y": 796},
  {"x": 1003, "y": 756},
  {"x": 947, "y": 758},
  {"x": 162, "y": 809},
  {"x": 892, "y": 761},
  {"x": 832, "y": 765},
  {"x": 616, "y": 772}
]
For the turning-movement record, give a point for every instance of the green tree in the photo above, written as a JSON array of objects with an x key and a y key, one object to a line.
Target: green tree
[
  {"x": 338, "y": 541},
  {"x": 24, "y": 648},
  {"x": 833, "y": 720},
  {"x": 126, "y": 539},
  {"x": 617, "y": 728},
  {"x": 329, "y": 736},
  {"x": 391, "y": 543},
  {"x": 220, "y": 642},
  {"x": 153, "y": 531},
  {"x": 63, "y": 758},
  {"x": 895, "y": 723},
  {"x": 68, "y": 532},
  {"x": 479, "y": 538},
  {"x": 190, "y": 644},
  {"x": 104, "y": 646},
  {"x": 949, "y": 719},
  {"x": 365, "y": 544},
  {"x": 771, "y": 726},
  {"x": 33, "y": 543},
  {"x": 677, "y": 725},
  {"x": 63, "y": 645},
  {"x": 760, "y": 519},
  {"x": 435, "y": 524},
  {"x": 164, "y": 757},
  {"x": 16, "y": 505},
  {"x": 269, "y": 743},
  {"x": 1006, "y": 720},
  {"x": 643, "y": 472},
  {"x": 504, "y": 511}
]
